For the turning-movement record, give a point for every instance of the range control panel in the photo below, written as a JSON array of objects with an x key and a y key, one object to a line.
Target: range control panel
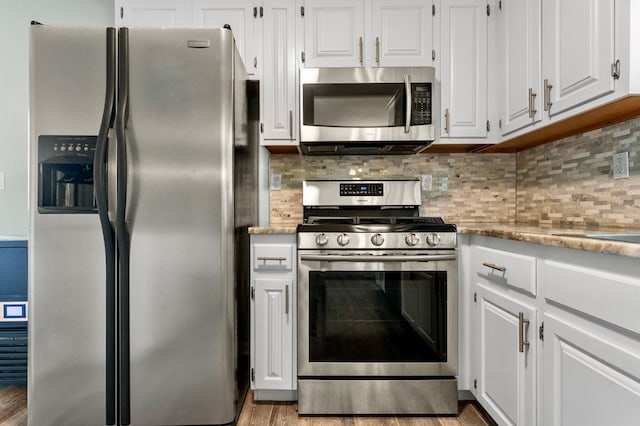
[{"x": 356, "y": 189}]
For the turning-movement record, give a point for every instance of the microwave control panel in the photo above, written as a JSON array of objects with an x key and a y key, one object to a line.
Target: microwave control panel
[{"x": 421, "y": 104}]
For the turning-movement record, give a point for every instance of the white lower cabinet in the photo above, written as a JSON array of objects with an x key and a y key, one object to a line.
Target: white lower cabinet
[
  {"x": 556, "y": 334},
  {"x": 506, "y": 383},
  {"x": 273, "y": 310}
]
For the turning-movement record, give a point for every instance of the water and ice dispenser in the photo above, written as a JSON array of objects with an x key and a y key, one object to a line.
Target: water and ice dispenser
[{"x": 65, "y": 183}]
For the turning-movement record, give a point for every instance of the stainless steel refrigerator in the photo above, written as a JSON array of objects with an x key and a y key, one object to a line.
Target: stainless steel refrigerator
[{"x": 142, "y": 186}]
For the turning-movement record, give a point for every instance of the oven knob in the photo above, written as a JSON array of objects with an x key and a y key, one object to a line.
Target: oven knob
[
  {"x": 343, "y": 239},
  {"x": 412, "y": 239},
  {"x": 377, "y": 239},
  {"x": 322, "y": 239},
  {"x": 433, "y": 239}
]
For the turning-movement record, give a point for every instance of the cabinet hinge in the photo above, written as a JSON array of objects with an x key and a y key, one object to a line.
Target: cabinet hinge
[
  {"x": 488, "y": 10},
  {"x": 302, "y": 56},
  {"x": 261, "y": 11},
  {"x": 255, "y": 12},
  {"x": 253, "y": 293},
  {"x": 475, "y": 297},
  {"x": 541, "y": 332},
  {"x": 500, "y": 5},
  {"x": 302, "y": 11},
  {"x": 433, "y": 54},
  {"x": 261, "y": 127},
  {"x": 433, "y": 10},
  {"x": 488, "y": 126},
  {"x": 615, "y": 70},
  {"x": 255, "y": 62},
  {"x": 475, "y": 383},
  {"x": 122, "y": 13},
  {"x": 500, "y": 124},
  {"x": 253, "y": 375}
]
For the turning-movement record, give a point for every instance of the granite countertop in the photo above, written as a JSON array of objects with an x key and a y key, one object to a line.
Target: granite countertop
[
  {"x": 548, "y": 235},
  {"x": 278, "y": 229},
  {"x": 556, "y": 236}
]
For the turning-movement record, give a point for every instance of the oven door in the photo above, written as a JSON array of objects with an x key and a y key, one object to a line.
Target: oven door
[{"x": 377, "y": 314}]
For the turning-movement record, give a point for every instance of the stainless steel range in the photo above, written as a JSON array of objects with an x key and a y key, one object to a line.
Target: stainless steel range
[{"x": 377, "y": 302}]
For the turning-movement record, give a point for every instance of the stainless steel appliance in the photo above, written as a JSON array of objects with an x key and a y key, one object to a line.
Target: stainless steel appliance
[
  {"x": 366, "y": 110},
  {"x": 377, "y": 302},
  {"x": 142, "y": 187}
]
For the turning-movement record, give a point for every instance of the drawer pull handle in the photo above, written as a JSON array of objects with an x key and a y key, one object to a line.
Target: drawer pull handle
[
  {"x": 286, "y": 299},
  {"x": 265, "y": 259},
  {"x": 522, "y": 323},
  {"x": 494, "y": 266}
]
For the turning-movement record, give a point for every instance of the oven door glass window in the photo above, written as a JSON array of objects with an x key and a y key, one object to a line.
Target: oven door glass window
[
  {"x": 378, "y": 316},
  {"x": 354, "y": 105}
]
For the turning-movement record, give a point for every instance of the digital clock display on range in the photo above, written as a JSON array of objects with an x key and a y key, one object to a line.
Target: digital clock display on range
[{"x": 358, "y": 189}]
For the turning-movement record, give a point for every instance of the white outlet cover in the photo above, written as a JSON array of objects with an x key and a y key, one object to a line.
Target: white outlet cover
[
  {"x": 427, "y": 182},
  {"x": 620, "y": 165},
  {"x": 444, "y": 184},
  {"x": 275, "y": 182}
]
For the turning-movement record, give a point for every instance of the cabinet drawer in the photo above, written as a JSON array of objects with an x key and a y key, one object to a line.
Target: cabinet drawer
[
  {"x": 506, "y": 268},
  {"x": 273, "y": 257},
  {"x": 605, "y": 295}
]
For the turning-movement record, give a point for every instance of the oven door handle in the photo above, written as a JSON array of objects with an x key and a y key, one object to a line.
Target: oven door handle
[{"x": 377, "y": 258}]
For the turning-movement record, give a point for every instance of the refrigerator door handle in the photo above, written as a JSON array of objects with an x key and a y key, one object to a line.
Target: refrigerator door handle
[
  {"x": 102, "y": 202},
  {"x": 122, "y": 232}
]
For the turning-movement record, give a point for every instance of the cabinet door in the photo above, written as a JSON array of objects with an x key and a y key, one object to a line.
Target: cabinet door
[
  {"x": 401, "y": 33},
  {"x": 152, "y": 13},
  {"x": 588, "y": 380},
  {"x": 520, "y": 24},
  {"x": 239, "y": 15},
  {"x": 279, "y": 73},
  {"x": 506, "y": 377},
  {"x": 578, "y": 50},
  {"x": 273, "y": 322},
  {"x": 334, "y": 33},
  {"x": 464, "y": 69}
]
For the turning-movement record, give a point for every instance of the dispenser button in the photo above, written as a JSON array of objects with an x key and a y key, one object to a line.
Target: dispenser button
[
  {"x": 63, "y": 148},
  {"x": 78, "y": 148}
]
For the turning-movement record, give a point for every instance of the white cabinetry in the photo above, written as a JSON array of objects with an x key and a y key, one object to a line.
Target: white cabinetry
[
  {"x": 578, "y": 51},
  {"x": 582, "y": 362},
  {"x": 591, "y": 344},
  {"x": 463, "y": 69},
  {"x": 279, "y": 88},
  {"x": 273, "y": 294},
  {"x": 355, "y": 33},
  {"x": 152, "y": 13},
  {"x": 238, "y": 14},
  {"x": 520, "y": 85},
  {"x": 505, "y": 339}
]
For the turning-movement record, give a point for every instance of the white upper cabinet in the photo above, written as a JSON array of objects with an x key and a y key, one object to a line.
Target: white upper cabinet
[
  {"x": 519, "y": 37},
  {"x": 238, "y": 14},
  {"x": 152, "y": 13},
  {"x": 464, "y": 69},
  {"x": 578, "y": 52},
  {"x": 278, "y": 86},
  {"x": 355, "y": 33},
  {"x": 334, "y": 33},
  {"x": 401, "y": 33}
]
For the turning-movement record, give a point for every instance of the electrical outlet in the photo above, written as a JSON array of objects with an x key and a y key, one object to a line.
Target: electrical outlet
[
  {"x": 275, "y": 183},
  {"x": 444, "y": 184},
  {"x": 427, "y": 182},
  {"x": 620, "y": 165}
]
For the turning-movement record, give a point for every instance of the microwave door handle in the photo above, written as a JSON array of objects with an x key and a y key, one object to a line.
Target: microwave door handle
[{"x": 407, "y": 89}]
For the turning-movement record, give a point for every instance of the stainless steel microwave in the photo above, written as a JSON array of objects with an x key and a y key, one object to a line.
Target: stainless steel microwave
[{"x": 366, "y": 110}]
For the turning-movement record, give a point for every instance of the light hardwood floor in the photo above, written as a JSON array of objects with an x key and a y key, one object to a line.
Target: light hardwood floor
[{"x": 13, "y": 412}]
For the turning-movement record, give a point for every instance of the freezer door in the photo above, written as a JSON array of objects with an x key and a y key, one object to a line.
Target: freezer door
[
  {"x": 66, "y": 254},
  {"x": 180, "y": 144}
]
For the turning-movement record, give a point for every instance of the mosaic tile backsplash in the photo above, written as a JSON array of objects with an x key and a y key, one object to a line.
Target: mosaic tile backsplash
[
  {"x": 570, "y": 182},
  {"x": 564, "y": 183},
  {"x": 465, "y": 187}
]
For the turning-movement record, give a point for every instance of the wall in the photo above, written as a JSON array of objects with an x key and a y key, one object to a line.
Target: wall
[
  {"x": 480, "y": 188},
  {"x": 15, "y": 16},
  {"x": 570, "y": 182}
]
